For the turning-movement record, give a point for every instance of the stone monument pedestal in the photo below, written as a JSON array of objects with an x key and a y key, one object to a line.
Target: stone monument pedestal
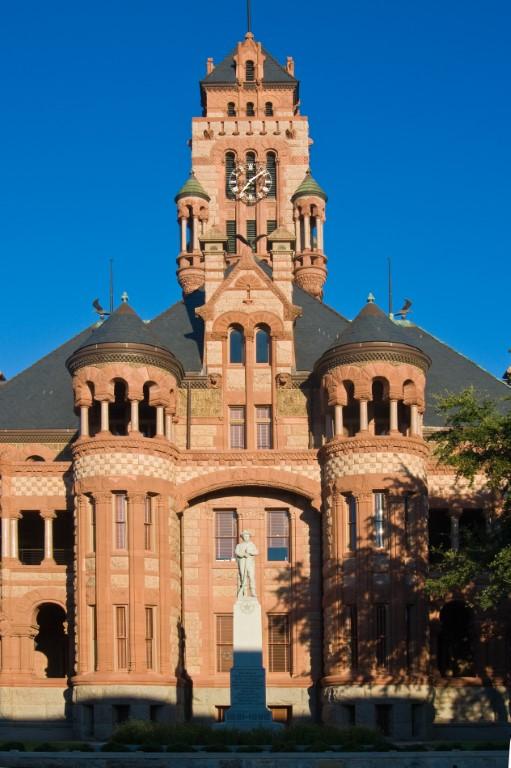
[{"x": 248, "y": 708}]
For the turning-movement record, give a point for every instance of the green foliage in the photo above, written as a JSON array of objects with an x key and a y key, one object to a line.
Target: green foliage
[
  {"x": 477, "y": 441},
  {"x": 183, "y": 737},
  {"x": 8, "y": 746},
  {"x": 113, "y": 746}
]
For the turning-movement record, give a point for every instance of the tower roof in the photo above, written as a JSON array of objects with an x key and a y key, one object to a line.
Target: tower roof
[
  {"x": 309, "y": 186},
  {"x": 225, "y": 71},
  {"x": 123, "y": 326},
  {"x": 192, "y": 188},
  {"x": 372, "y": 325}
]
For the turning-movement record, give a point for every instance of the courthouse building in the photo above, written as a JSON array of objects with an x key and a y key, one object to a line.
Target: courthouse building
[{"x": 132, "y": 457}]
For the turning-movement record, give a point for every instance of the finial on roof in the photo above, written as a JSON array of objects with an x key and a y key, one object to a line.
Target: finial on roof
[
  {"x": 124, "y": 297},
  {"x": 370, "y": 298},
  {"x": 249, "y": 21}
]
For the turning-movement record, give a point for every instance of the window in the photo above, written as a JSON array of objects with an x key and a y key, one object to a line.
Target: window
[
  {"x": 263, "y": 426},
  {"x": 381, "y": 639},
  {"x": 237, "y": 426},
  {"x": 121, "y": 713},
  {"x": 224, "y": 642},
  {"x": 351, "y": 635},
  {"x": 410, "y": 621},
  {"x": 121, "y": 523},
  {"x": 439, "y": 533},
  {"x": 236, "y": 346},
  {"x": 271, "y": 226},
  {"x": 278, "y": 534},
  {"x": 230, "y": 231},
  {"x": 351, "y": 504},
  {"x": 149, "y": 636},
  {"x": 249, "y": 71},
  {"x": 252, "y": 232},
  {"x": 231, "y": 109},
  {"x": 230, "y": 164},
  {"x": 278, "y": 643},
  {"x": 250, "y": 109},
  {"x": 383, "y": 714},
  {"x": 148, "y": 523},
  {"x": 226, "y": 533},
  {"x": 380, "y": 520},
  {"x": 271, "y": 164},
  {"x": 268, "y": 109},
  {"x": 262, "y": 345},
  {"x": 349, "y": 715},
  {"x": 282, "y": 715},
  {"x": 121, "y": 636}
]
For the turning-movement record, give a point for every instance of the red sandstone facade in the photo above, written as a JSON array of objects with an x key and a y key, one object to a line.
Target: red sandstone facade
[{"x": 117, "y": 579}]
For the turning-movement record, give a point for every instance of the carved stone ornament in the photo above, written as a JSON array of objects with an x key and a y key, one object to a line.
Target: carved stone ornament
[
  {"x": 283, "y": 380},
  {"x": 214, "y": 380}
]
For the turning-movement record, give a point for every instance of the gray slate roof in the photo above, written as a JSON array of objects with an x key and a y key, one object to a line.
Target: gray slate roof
[
  {"x": 41, "y": 397},
  {"x": 372, "y": 324},
  {"x": 124, "y": 326},
  {"x": 225, "y": 71}
]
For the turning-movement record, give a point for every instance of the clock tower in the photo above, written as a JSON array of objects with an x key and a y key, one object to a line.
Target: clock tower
[{"x": 250, "y": 169}]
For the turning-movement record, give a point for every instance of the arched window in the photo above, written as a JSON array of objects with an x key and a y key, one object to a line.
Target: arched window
[
  {"x": 249, "y": 71},
  {"x": 120, "y": 409},
  {"x": 379, "y": 407},
  {"x": 262, "y": 345},
  {"x": 236, "y": 345},
  {"x": 51, "y": 642},
  {"x": 250, "y": 109},
  {"x": 271, "y": 165},
  {"x": 34, "y": 457},
  {"x": 230, "y": 163},
  {"x": 231, "y": 109},
  {"x": 351, "y": 415},
  {"x": 268, "y": 109}
]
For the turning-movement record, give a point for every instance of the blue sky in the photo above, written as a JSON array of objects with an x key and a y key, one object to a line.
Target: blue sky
[{"x": 411, "y": 119}]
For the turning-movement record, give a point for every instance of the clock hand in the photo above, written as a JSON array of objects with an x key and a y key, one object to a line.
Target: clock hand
[{"x": 250, "y": 181}]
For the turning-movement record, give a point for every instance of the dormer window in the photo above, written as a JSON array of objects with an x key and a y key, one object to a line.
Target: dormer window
[
  {"x": 268, "y": 109},
  {"x": 231, "y": 109},
  {"x": 250, "y": 109},
  {"x": 249, "y": 71}
]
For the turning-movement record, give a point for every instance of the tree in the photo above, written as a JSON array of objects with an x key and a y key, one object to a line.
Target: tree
[{"x": 477, "y": 441}]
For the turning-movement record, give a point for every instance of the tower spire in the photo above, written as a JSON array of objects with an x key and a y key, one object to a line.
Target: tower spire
[{"x": 249, "y": 14}]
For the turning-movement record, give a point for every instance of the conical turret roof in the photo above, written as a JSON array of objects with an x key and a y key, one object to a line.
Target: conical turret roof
[
  {"x": 372, "y": 325},
  {"x": 309, "y": 186},
  {"x": 192, "y": 188},
  {"x": 123, "y": 326}
]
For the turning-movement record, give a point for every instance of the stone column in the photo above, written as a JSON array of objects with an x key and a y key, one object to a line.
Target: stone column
[
  {"x": 319, "y": 226},
  {"x": 134, "y": 416},
  {"x": 184, "y": 225},
  {"x": 455, "y": 528},
  {"x": 105, "y": 425},
  {"x": 363, "y": 416},
  {"x": 195, "y": 233},
  {"x": 159, "y": 420},
  {"x": 307, "y": 232},
  {"x": 413, "y": 419},
  {"x": 6, "y": 550},
  {"x": 298, "y": 235},
  {"x": 14, "y": 536},
  {"x": 393, "y": 416},
  {"x": 104, "y": 616},
  {"x": 48, "y": 516},
  {"x": 339, "y": 429},
  {"x": 169, "y": 426},
  {"x": 84, "y": 421}
]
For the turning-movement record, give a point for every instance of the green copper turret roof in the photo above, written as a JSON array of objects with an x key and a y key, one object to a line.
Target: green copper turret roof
[
  {"x": 309, "y": 186},
  {"x": 192, "y": 188}
]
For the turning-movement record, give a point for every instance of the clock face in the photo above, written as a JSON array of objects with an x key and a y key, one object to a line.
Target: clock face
[{"x": 250, "y": 181}]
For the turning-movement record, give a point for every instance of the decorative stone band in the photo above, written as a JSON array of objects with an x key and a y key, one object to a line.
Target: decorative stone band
[
  {"x": 371, "y": 456},
  {"x": 33, "y": 485},
  {"x": 304, "y": 464},
  {"x": 371, "y": 351},
  {"x": 101, "y": 457},
  {"x": 134, "y": 354}
]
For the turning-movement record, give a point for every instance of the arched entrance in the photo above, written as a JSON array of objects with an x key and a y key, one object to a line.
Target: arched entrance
[{"x": 51, "y": 641}]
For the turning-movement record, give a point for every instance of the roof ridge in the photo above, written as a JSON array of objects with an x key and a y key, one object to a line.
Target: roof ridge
[{"x": 461, "y": 354}]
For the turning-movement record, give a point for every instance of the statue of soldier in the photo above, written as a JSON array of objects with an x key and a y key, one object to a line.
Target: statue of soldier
[{"x": 246, "y": 552}]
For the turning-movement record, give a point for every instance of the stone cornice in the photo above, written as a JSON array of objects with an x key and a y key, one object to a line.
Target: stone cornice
[
  {"x": 134, "y": 354},
  {"x": 37, "y": 436},
  {"x": 370, "y": 351},
  {"x": 85, "y": 446},
  {"x": 374, "y": 444}
]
